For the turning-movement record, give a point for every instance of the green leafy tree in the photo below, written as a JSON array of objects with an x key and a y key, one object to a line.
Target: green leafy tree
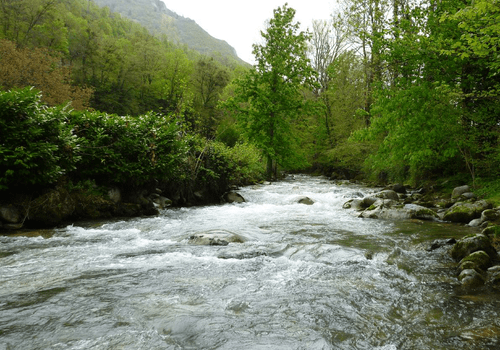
[
  {"x": 269, "y": 97},
  {"x": 209, "y": 80}
]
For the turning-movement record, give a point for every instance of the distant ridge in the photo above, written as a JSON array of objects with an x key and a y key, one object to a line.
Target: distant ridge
[{"x": 158, "y": 19}]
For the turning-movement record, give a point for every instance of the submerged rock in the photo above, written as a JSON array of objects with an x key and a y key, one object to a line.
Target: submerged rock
[
  {"x": 216, "y": 237},
  {"x": 305, "y": 200}
]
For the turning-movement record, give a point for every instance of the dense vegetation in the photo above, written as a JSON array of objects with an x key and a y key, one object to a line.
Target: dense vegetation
[{"x": 385, "y": 90}]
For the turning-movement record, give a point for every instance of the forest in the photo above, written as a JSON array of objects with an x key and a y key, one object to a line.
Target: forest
[{"x": 384, "y": 91}]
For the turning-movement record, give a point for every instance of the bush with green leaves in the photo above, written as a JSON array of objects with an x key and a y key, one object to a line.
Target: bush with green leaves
[
  {"x": 37, "y": 145},
  {"x": 124, "y": 150}
]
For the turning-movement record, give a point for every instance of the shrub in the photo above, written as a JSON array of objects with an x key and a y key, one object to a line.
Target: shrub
[
  {"x": 128, "y": 150},
  {"x": 37, "y": 145}
]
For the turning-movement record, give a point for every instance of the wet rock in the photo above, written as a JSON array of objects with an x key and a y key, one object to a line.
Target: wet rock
[
  {"x": 491, "y": 231},
  {"x": 470, "y": 278},
  {"x": 355, "y": 204},
  {"x": 475, "y": 223},
  {"x": 471, "y": 244},
  {"x": 233, "y": 197},
  {"x": 438, "y": 243},
  {"x": 419, "y": 212},
  {"x": 399, "y": 188},
  {"x": 217, "y": 237},
  {"x": 458, "y": 191},
  {"x": 160, "y": 201},
  {"x": 490, "y": 215},
  {"x": 387, "y": 194},
  {"x": 305, "y": 200},
  {"x": 465, "y": 212},
  {"x": 368, "y": 201},
  {"x": 493, "y": 278},
  {"x": 479, "y": 261}
]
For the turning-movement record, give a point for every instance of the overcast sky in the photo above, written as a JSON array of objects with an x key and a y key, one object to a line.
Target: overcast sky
[{"x": 240, "y": 22}]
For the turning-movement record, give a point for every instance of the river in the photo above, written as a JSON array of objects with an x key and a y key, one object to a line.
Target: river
[{"x": 306, "y": 277}]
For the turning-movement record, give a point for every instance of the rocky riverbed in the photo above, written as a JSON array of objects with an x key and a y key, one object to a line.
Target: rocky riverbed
[{"x": 477, "y": 257}]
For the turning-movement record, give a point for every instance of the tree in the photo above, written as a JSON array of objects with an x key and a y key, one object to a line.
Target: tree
[
  {"x": 209, "y": 80},
  {"x": 37, "y": 68},
  {"x": 328, "y": 41},
  {"x": 268, "y": 98}
]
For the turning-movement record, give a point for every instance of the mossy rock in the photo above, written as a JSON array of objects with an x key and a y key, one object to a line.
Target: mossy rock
[
  {"x": 492, "y": 231},
  {"x": 466, "y": 212},
  {"x": 479, "y": 261},
  {"x": 471, "y": 244},
  {"x": 470, "y": 278},
  {"x": 490, "y": 215}
]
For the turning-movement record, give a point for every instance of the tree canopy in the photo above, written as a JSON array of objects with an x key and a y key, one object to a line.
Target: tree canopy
[{"x": 268, "y": 98}]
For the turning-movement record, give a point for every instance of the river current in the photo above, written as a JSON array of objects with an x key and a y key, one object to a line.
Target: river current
[{"x": 305, "y": 277}]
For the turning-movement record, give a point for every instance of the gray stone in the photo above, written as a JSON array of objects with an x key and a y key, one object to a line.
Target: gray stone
[
  {"x": 233, "y": 197},
  {"x": 115, "y": 194},
  {"x": 387, "y": 194},
  {"x": 305, "y": 200},
  {"x": 466, "y": 212},
  {"x": 216, "y": 237},
  {"x": 469, "y": 195},
  {"x": 471, "y": 244},
  {"x": 470, "y": 278},
  {"x": 355, "y": 204},
  {"x": 368, "y": 201},
  {"x": 475, "y": 223},
  {"x": 10, "y": 214},
  {"x": 161, "y": 201},
  {"x": 490, "y": 215},
  {"x": 479, "y": 261},
  {"x": 458, "y": 191}
]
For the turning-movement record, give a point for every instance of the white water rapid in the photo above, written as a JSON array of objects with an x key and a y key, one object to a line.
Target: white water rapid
[{"x": 306, "y": 277}]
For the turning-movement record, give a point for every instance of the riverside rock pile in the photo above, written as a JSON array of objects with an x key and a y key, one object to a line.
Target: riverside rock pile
[{"x": 478, "y": 261}]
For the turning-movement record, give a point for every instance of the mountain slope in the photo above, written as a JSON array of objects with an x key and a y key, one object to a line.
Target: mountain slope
[{"x": 158, "y": 19}]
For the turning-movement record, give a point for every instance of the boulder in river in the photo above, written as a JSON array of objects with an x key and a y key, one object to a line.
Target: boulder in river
[
  {"x": 479, "y": 261},
  {"x": 216, "y": 237},
  {"x": 465, "y": 212},
  {"x": 473, "y": 243},
  {"x": 470, "y": 278},
  {"x": 305, "y": 200},
  {"x": 233, "y": 197}
]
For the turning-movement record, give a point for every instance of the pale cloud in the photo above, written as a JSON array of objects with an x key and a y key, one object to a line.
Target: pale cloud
[{"x": 240, "y": 23}]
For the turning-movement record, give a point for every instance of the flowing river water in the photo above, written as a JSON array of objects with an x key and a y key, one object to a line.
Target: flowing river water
[{"x": 306, "y": 277}]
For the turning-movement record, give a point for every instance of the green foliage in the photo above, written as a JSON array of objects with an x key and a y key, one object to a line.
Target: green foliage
[
  {"x": 37, "y": 145},
  {"x": 418, "y": 129},
  {"x": 268, "y": 99},
  {"x": 128, "y": 150},
  {"x": 437, "y": 111}
]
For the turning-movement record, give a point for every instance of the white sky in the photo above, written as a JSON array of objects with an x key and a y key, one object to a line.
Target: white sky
[{"x": 240, "y": 22}]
